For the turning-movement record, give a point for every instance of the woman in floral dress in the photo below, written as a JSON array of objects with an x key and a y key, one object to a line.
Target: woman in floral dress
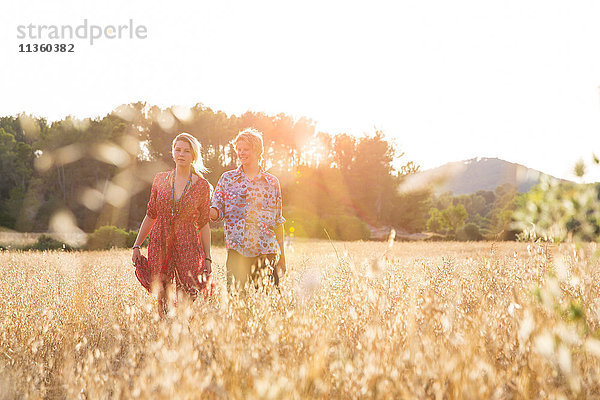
[{"x": 177, "y": 219}]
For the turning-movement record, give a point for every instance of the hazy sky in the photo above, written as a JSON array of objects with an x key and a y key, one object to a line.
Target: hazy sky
[{"x": 448, "y": 80}]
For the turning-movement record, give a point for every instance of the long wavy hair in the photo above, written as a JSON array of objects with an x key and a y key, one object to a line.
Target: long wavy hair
[{"x": 197, "y": 162}]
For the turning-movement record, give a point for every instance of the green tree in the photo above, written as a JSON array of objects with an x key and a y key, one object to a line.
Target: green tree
[
  {"x": 16, "y": 168},
  {"x": 501, "y": 215},
  {"x": 372, "y": 182},
  {"x": 411, "y": 210},
  {"x": 435, "y": 223},
  {"x": 454, "y": 217}
]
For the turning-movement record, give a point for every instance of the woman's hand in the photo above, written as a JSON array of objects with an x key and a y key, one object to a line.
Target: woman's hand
[
  {"x": 213, "y": 214},
  {"x": 208, "y": 267},
  {"x": 137, "y": 254},
  {"x": 281, "y": 267}
]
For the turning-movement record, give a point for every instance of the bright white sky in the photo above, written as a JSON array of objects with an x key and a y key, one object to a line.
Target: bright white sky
[{"x": 449, "y": 80}]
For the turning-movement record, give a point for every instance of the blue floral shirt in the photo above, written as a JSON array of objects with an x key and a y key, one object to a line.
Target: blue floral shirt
[{"x": 251, "y": 209}]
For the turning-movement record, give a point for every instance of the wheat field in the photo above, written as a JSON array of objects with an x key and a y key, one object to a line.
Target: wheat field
[{"x": 353, "y": 320}]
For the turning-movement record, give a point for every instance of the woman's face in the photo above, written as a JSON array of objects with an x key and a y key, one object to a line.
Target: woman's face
[
  {"x": 246, "y": 154},
  {"x": 182, "y": 153}
]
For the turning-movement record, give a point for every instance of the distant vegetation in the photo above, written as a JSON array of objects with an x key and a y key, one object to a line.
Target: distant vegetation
[
  {"x": 82, "y": 175},
  {"x": 98, "y": 172},
  {"x": 481, "y": 215}
]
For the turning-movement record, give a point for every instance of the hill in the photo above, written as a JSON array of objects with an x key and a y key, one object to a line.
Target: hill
[{"x": 469, "y": 176}]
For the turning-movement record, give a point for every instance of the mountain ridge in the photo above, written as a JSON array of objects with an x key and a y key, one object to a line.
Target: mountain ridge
[{"x": 480, "y": 173}]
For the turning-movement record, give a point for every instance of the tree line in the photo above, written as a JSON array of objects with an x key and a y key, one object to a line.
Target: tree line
[
  {"x": 484, "y": 214},
  {"x": 89, "y": 173},
  {"x": 98, "y": 171}
]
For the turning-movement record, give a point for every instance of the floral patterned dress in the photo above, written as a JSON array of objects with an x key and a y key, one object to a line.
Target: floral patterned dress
[{"x": 175, "y": 248}]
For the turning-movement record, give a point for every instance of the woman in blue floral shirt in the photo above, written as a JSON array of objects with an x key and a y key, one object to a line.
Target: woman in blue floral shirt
[{"x": 249, "y": 200}]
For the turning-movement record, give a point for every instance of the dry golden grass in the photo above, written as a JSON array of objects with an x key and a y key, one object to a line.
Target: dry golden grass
[{"x": 425, "y": 320}]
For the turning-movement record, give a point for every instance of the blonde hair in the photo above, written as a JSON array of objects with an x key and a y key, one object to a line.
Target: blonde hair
[
  {"x": 253, "y": 137},
  {"x": 197, "y": 163}
]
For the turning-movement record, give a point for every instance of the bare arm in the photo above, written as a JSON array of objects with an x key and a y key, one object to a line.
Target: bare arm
[
  {"x": 147, "y": 224},
  {"x": 217, "y": 206},
  {"x": 214, "y": 214},
  {"x": 279, "y": 232},
  {"x": 279, "y": 229},
  {"x": 205, "y": 238}
]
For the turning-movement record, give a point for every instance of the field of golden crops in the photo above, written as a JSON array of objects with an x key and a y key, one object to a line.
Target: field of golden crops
[{"x": 354, "y": 320}]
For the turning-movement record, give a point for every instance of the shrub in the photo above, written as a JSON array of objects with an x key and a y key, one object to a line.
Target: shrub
[
  {"x": 470, "y": 232},
  {"x": 559, "y": 211},
  {"x": 302, "y": 223},
  {"x": 46, "y": 242},
  {"x": 347, "y": 227},
  {"x": 107, "y": 237}
]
